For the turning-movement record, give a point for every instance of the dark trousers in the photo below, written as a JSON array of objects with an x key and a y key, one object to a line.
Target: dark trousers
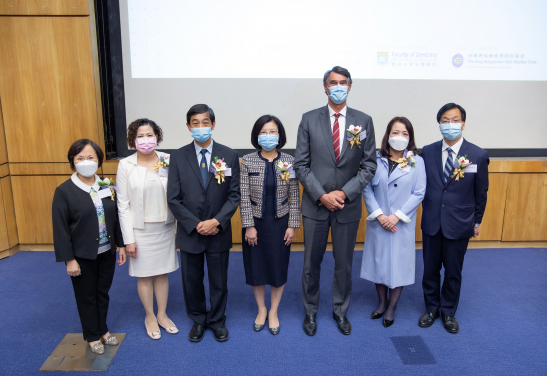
[
  {"x": 91, "y": 291},
  {"x": 316, "y": 235},
  {"x": 192, "y": 268},
  {"x": 440, "y": 251}
]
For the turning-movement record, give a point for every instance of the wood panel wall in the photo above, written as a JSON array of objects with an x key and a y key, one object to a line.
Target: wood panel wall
[{"x": 49, "y": 97}]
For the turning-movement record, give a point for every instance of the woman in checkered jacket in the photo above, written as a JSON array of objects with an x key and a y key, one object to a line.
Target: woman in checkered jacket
[{"x": 270, "y": 211}]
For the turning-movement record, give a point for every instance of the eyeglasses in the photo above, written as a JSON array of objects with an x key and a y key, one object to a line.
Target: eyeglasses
[
  {"x": 454, "y": 121},
  {"x": 271, "y": 133}
]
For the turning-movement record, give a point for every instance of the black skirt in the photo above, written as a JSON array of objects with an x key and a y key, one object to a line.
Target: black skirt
[{"x": 267, "y": 263}]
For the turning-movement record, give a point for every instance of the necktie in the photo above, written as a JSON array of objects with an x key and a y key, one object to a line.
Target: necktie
[
  {"x": 448, "y": 167},
  {"x": 203, "y": 167},
  {"x": 336, "y": 138}
]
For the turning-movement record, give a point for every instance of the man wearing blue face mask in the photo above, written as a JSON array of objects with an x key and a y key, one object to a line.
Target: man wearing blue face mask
[
  {"x": 203, "y": 195},
  {"x": 335, "y": 159},
  {"x": 453, "y": 207}
]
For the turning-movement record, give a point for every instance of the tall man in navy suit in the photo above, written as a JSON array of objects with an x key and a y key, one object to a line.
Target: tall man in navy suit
[
  {"x": 203, "y": 205},
  {"x": 453, "y": 208}
]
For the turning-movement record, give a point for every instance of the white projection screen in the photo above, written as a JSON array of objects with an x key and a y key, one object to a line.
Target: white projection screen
[{"x": 247, "y": 58}]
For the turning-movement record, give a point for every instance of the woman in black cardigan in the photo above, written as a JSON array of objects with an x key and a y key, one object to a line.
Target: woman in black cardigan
[{"x": 86, "y": 232}]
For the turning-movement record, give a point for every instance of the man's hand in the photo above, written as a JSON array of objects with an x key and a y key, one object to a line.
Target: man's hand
[
  {"x": 208, "y": 227},
  {"x": 340, "y": 194},
  {"x": 477, "y": 231},
  {"x": 332, "y": 201}
]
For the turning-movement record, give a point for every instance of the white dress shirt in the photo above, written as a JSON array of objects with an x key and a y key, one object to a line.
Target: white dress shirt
[
  {"x": 341, "y": 123},
  {"x": 207, "y": 155},
  {"x": 455, "y": 150}
]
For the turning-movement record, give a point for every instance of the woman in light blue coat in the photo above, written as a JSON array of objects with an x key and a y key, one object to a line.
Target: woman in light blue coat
[{"x": 392, "y": 198}]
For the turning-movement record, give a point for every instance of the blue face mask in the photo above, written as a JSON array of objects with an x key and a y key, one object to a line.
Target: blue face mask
[
  {"x": 451, "y": 131},
  {"x": 338, "y": 94},
  {"x": 268, "y": 141},
  {"x": 201, "y": 134}
]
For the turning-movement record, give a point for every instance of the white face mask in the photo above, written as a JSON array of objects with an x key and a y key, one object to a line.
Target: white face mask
[
  {"x": 398, "y": 143},
  {"x": 87, "y": 168}
]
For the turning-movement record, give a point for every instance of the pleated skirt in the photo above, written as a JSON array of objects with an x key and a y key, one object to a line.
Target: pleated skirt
[{"x": 156, "y": 250}]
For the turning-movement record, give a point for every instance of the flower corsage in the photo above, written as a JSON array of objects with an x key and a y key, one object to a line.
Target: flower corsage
[
  {"x": 162, "y": 167},
  {"x": 356, "y": 135},
  {"x": 218, "y": 167},
  {"x": 286, "y": 171},
  {"x": 460, "y": 164},
  {"x": 408, "y": 158},
  {"x": 106, "y": 183}
]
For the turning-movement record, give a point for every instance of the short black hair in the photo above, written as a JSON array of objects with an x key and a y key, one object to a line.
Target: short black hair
[
  {"x": 77, "y": 148},
  {"x": 337, "y": 69},
  {"x": 448, "y": 107},
  {"x": 259, "y": 124},
  {"x": 200, "y": 109}
]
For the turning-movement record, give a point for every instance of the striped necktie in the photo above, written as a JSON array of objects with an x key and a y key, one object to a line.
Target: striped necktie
[
  {"x": 336, "y": 137},
  {"x": 449, "y": 166}
]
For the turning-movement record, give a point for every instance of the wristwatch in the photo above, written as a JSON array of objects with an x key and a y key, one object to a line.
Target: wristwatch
[{"x": 477, "y": 225}]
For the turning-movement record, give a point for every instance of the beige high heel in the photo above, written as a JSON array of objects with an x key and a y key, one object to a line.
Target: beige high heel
[
  {"x": 172, "y": 329},
  {"x": 153, "y": 335}
]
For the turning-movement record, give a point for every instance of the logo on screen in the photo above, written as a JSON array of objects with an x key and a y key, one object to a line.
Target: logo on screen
[
  {"x": 382, "y": 58},
  {"x": 457, "y": 60}
]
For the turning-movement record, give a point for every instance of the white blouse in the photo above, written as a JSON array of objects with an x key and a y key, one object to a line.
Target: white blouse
[{"x": 155, "y": 202}]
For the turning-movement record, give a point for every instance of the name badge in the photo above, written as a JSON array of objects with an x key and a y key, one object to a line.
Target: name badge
[
  {"x": 228, "y": 172},
  {"x": 163, "y": 172},
  {"x": 406, "y": 169},
  {"x": 103, "y": 193},
  {"x": 292, "y": 174},
  {"x": 472, "y": 169}
]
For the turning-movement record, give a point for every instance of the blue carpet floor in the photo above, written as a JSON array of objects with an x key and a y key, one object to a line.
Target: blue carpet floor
[{"x": 502, "y": 315}]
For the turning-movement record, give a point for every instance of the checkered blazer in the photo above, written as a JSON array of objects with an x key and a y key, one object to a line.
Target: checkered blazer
[{"x": 252, "y": 190}]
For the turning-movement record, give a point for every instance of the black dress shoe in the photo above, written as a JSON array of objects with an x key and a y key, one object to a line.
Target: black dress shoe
[
  {"x": 428, "y": 318},
  {"x": 387, "y": 323},
  {"x": 450, "y": 324},
  {"x": 375, "y": 315},
  {"x": 257, "y": 327},
  {"x": 310, "y": 325},
  {"x": 344, "y": 326},
  {"x": 196, "y": 333},
  {"x": 221, "y": 334}
]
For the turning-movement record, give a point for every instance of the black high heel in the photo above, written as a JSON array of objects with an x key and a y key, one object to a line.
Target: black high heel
[
  {"x": 388, "y": 323},
  {"x": 258, "y": 328},
  {"x": 375, "y": 315}
]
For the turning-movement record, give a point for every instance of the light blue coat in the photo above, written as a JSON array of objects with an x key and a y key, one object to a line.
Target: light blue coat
[{"x": 389, "y": 257}]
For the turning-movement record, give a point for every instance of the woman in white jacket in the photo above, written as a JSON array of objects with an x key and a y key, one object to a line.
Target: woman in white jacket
[{"x": 147, "y": 224}]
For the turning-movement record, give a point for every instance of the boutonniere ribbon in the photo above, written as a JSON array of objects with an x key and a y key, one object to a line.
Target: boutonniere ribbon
[
  {"x": 162, "y": 167},
  {"x": 218, "y": 167},
  {"x": 285, "y": 170},
  {"x": 460, "y": 164},
  {"x": 107, "y": 183},
  {"x": 356, "y": 135},
  {"x": 409, "y": 157}
]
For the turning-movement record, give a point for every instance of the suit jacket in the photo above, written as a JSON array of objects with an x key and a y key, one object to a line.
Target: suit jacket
[
  {"x": 252, "y": 190},
  {"x": 316, "y": 166},
  {"x": 130, "y": 181},
  {"x": 191, "y": 202},
  {"x": 454, "y": 206},
  {"x": 76, "y": 226}
]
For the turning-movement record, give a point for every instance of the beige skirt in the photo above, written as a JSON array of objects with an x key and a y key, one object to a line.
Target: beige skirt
[{"x": 156, "y": 251}]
